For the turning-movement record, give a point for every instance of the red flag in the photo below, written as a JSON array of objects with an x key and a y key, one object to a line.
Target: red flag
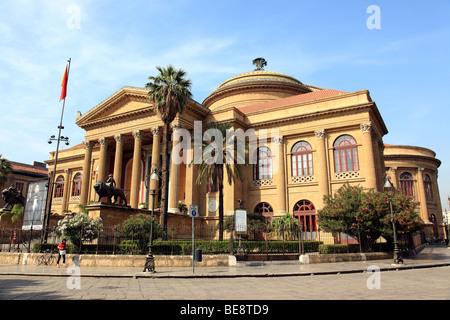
[{"x": 64, "y": 85}]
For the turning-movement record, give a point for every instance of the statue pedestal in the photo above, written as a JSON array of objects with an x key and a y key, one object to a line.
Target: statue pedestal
[{"x": 112, "y": 214}]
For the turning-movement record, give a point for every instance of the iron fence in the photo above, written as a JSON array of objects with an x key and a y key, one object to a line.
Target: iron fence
[{"x": 177, "y": 241}]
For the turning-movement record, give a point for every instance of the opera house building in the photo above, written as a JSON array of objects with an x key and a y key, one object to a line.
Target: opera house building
[{"x": 324, "y": 139}]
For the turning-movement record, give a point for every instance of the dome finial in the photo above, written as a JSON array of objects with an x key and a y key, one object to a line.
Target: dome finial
[{"x": 260, "y": 63}]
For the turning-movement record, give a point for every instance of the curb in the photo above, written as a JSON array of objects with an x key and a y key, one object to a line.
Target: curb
[{"x": 240, "y": 275}]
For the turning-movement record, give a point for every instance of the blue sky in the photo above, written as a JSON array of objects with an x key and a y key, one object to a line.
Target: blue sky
[{"x": 113, "y": 44}]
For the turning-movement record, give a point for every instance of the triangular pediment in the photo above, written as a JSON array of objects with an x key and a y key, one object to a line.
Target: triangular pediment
[{"x": 126, "y": 101}]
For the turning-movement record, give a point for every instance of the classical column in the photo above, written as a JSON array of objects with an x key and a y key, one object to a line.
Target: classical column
[
  {"x": 320, "y": 171},
  {"x": 280, "y": 177},
  {"x": 66, "y": 192},
  {"x": 86, "y": 172},
  {"x": 118, "y": 159},
  {"x": 192, "y": 189},
  {"x": 369, "y": 161},
  {"x": 102, "y": 161},
  {"x": 136, "y": 170},
  {"x": 422, "y": 196},
  {"x": 437, "y": 200},
  {"x": 156, "y": 152},
  {"x": 174, "y": 186}
]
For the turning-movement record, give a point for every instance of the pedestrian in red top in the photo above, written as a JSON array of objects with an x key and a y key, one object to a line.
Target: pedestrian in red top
[{"x": 61, "y": 252}]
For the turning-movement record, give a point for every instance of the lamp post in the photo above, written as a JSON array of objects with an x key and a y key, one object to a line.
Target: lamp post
[
  {"x": 390, "y": 192},
  {"x": 150, "y": 260},
  {"x": 52, "y": 179}
]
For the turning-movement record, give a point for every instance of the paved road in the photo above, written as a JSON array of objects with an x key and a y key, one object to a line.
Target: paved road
[
  {"x": 427, "y": 283},
  {"x": 280, "y": 290}
]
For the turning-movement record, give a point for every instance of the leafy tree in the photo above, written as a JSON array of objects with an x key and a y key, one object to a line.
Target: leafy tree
[
  {"x": 341, "y": 209},
  {"x": 5, "y": 169},
  {"x": 79, "y": 227},
  {"x": 170, "y": 92},
  {"x": 15, "y": 214},
  {"x": 367, "y": 215},
  {"x": 256, "y": 223},
  {"x": 406, "y": 216},
  {"x": 137, "y": 227}
]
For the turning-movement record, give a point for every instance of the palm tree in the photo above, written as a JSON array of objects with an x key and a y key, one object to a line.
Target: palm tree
[
  {"x": 220, "y": 163},
  {"x": 169, "y": 91},
  {"x": 5, "y": 169},
  {"x": 285, "y": 227}
]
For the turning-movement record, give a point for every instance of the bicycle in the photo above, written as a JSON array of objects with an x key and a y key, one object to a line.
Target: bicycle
[{"x": 46, "y": 258}]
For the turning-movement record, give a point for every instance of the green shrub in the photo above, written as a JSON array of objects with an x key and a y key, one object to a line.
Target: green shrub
[{"x": 128, "y": 247}]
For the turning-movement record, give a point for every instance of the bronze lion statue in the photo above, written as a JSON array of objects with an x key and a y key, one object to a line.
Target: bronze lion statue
[
  {"x": 12, "y": 196},
  {"x": 103, "y": 190}
]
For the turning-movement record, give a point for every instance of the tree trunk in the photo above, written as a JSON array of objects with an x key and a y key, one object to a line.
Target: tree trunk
[
  {"x": 221, "y": 203},
  {"x": 165, "y": 176}
]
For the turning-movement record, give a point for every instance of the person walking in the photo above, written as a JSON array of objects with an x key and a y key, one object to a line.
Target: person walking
[{"x": 61, "y": 252}]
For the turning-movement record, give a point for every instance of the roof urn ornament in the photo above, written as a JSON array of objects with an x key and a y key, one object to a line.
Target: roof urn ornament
[{"x": 260, "y": 63}]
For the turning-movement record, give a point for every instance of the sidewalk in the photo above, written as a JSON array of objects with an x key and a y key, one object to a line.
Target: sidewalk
[{"x": 431, "y": 256}]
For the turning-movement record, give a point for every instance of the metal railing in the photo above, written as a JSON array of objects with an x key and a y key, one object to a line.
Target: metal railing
[{"x": 178, "y": 241}]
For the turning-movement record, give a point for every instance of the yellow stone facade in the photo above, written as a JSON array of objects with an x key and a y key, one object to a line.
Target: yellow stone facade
[{"x": 318, "y": 140}]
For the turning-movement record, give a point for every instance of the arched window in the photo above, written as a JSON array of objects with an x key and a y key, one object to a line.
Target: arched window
[
  {"x": 59, "y": 187},
  {"x": 262, "y": 168},
  {"x": 263, "y": 208},
  {"x": 305, "y": 212},
  {"x": 302, "y": 163},
  {"x": 345, "y": 154},
  {"x": 76, "y": 186},
  {"x": 266, "y": 210},
  {"x": 407, "y": 184},
  {"x": 427, "y": 186}
]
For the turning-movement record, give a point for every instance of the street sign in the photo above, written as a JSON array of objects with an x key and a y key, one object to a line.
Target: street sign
[
  {"x": 241, "y": 220},
  {"x": 193, "y": 211}
]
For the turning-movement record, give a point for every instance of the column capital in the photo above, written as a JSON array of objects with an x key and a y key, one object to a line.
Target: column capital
[
  {"x": 278, "y": 140},
  {"x": 138, "y": 134},
  {"x": 366, "y": 127},
  {"x": 156, "y": 131},
  {"x": 103, "y": 141},
  {"x": 87, "y": 145},
  {"x": 176, "y": 126},
  {"x": 392, "y": 169},
  {"x": 320, "y": 134},
  {"x": 119, "y": 138}
]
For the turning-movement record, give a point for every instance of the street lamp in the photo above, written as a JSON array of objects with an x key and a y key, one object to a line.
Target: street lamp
[
  {"x": 52, "y": 183},
  {"x": 390, "y": 192},
  {"x": 150, "y": 260},
  {"x": 61, "y": 138}
]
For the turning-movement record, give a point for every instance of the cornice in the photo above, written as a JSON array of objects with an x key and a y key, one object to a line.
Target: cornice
[
  {"x": 127, "y": 94},
  {"x": 118, "y": 117},
  {"x": 295, "y": 88},
  {"x": 393, "y": 157},
  {"x": 123, "y": 93},
  {"x": 315, "y": 114}
]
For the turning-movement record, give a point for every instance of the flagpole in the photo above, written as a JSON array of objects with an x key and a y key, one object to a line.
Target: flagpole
[{"x": 52, "y": 184}]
